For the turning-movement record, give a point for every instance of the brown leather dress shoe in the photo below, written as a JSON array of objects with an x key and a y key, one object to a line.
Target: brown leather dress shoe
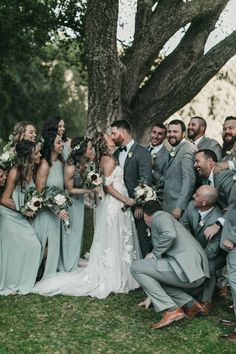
[
  {"x": 169, "y": 317},
  {"x": 206, "y": 308},
  {"x": 227, "y": 323},
  {"x": 229, "y": 337},
  {"x": 194, "y": 310},
  {"x": 223, "y": 292}
]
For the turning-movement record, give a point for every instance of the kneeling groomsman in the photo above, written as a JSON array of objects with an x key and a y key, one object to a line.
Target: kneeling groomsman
[
  {"x": 178, "y": 263},
  {"x": 201, "y": 213}
]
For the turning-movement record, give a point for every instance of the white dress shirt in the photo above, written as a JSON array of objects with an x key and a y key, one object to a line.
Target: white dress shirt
[{"x": 123, "y": 154}]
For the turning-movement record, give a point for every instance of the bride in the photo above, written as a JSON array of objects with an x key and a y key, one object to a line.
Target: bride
[{"x": 115, "y": 243}]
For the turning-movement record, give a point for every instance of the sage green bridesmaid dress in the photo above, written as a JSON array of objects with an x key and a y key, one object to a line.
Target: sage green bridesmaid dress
[
  {"x": 71, "y": 242},
  {"x": 48, "y": 226},
  {"x": 20, "y": 249}
]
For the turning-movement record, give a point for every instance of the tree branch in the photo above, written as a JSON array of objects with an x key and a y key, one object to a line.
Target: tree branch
[
  {"x": 167, "y": 18},
  {"x": 174, "y": 68},
  {"x": 203, "y": 70},
  {"x": 143, "y": 14}
]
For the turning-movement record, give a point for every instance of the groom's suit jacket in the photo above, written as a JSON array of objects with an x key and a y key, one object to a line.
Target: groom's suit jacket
[
  {"x": 190, "y": 219},
  {"x": 173, "y": 241},
  {"x": 138, "y": 165},
  {"x": 180, "y": 177}
]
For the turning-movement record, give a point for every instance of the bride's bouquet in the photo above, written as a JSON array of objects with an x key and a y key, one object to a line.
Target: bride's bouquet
[
  {"x": 56, "y": 200},
  {"x": 33, "y": 202},
  {"x": 142, "y": 194}
]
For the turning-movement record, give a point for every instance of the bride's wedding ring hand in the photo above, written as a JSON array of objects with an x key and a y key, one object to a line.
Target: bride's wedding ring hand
[{"x": 129, "y": 202}]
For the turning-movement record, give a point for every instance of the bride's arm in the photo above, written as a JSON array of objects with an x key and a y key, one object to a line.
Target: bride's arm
[{"x": 107, "y": 165}]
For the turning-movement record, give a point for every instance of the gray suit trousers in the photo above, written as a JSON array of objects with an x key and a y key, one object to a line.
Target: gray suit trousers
[
  {"x": 161, "y": 284},
  {"x": 231, "y": 267}
]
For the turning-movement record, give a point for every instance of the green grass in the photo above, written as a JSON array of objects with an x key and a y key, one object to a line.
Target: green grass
[{"x": 61, "y": 324}]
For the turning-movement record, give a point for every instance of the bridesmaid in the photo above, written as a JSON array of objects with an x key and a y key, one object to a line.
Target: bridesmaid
[
  {"x": 48, "y": 225},
  {"x": 80, "y": 158},
  {"x": 20, "y": 248},
  {"x": 55, "y": 122},
  {"x": 24, "y": 130},
  {"x": 3, "y": 176}
]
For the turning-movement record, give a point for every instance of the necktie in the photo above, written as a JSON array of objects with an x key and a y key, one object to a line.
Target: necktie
[
  {"x": 151, "y": 148},
  {"x": 123, "y": 148},
  {"x": 209, "y": 182}
]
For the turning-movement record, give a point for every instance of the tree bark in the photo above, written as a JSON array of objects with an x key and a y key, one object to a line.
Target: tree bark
[{"x": 102, "y": 63}]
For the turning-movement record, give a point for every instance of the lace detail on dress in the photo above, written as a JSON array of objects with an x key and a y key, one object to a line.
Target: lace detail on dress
[
  {"x": 127, "y": 254},
  {"x": 108, "y": 180}
]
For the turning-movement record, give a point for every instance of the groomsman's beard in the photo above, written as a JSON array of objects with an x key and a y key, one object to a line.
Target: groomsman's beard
[
  {"x": 175, "y": 141},
  {"x": 227, "y": 145}
]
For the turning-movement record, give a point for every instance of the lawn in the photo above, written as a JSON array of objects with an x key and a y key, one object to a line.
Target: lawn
[{"x": 63, "y": 324}]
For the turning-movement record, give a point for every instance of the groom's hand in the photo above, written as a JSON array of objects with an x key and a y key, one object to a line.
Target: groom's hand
[{"x": 138, "y": 212}]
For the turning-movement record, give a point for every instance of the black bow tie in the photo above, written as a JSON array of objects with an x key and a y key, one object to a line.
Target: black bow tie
[{"x": 123, "y": 148}]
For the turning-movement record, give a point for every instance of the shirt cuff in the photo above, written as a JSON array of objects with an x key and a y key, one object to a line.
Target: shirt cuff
[
  {"x": 221, "y": 220},
  {"x": 231, "y": 165}
]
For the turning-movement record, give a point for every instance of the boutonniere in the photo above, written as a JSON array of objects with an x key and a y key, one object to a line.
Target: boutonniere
[
  {"x": 228, "y": 152},
  {"x": 130, "y": 154},
  {"x": 172, "y": 153},
  {"x": 148, "y": 232},
  {"x": 154, "y": 156},
  {"x": 202, "y": 222}
]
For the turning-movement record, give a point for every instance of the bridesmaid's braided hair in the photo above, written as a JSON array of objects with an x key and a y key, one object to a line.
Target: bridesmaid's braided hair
[
  {"x": 77, "y": 156},
  {"x": 48, "y": 139},
  {"x": 24, "y": 150}
]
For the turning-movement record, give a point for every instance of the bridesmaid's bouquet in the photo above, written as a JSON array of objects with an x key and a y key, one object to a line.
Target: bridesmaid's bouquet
[
  {"x": 142, "y": 194},
  {"x": 93, "y": 179},
  {"x": 8, "y": 156},
  {"x": 33, "y": 202},
  {"x": 56, "y": 200}
]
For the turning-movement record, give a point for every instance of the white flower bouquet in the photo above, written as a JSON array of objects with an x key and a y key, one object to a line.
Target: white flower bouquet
[
  {"x": 8, "y": 156},
  {"x": 33, "y": 202},
  {"x": 93, "y": 179},
  {"x": 56, "y": 200}
]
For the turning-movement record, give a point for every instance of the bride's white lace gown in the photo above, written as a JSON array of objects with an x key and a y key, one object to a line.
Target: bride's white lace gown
[{"x": 115, "y": 245}]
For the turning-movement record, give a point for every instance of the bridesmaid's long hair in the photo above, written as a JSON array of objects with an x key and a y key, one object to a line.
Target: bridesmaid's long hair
[
  {"x": 51, "y": 124},
  {"x": 19, "y": 131},
  {"x": 24, "y": 150},
  {"x": 77, "y": 156},
  {"x": 101, "y": 148},
  {"x": 48, "y": 140}
]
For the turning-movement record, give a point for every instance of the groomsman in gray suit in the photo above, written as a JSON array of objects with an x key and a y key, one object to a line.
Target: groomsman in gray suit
[
  {"x": 200, "y": 213},
  {"x": 224, "y": 181},
  {"x": 196, "y": 133},
  {"x": 157, "y": 149},
  {"x": 178, "y": 171},
  {"x": 137, "y": 164},
  {"x": 178, "y": 262},
  {"x": 229, "y": 145}
]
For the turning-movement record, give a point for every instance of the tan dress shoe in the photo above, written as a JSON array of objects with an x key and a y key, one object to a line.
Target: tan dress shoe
[
  {"x": 229, "y": 337},
  {"x": 169, "y": 317},
  {"x": 227, "y": 323},
  {"x": 194, "y": 310},
  {"x": 223, "y": 292},
  {"x": 206, "y": 308}
]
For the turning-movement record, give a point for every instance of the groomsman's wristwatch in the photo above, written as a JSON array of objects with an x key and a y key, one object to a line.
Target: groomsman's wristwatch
[{"x": 219, "y": 223}]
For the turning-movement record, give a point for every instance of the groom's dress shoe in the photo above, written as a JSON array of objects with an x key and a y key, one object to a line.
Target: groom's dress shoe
[
  {"x": 194, "y": 310},
  {"x": 229, "y": 337},
  {"x": 227, "y": 323},
  {"x": 169, "y": 317},
  {"x": 206, "y": 308}
]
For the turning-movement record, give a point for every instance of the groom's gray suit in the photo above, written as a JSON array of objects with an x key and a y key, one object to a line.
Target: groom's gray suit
[
  {"x": 138, "y": 165},
  {"x": 180, "y": 263}
]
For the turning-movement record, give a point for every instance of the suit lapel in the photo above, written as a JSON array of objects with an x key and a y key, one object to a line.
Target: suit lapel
[{"x": 128, "y": 157}]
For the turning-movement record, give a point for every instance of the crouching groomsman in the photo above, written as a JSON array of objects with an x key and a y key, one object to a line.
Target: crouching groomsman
[
  {"x": 201, "y": 213},
  {"x": 178, "y": 263}
]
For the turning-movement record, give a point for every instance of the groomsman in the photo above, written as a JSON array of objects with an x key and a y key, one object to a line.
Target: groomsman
[
  {"x": 196, "y": 133},
  {"x": 157, "y": 149},
  {"x": 229, "y": 145},
  {"x": 178, "y": 171},
  {"x": 178, "y": 262},
  {"x": 224, "y": 181},
  {"x": 137, "y": 164},
  {"x": 200, "y": 213}
]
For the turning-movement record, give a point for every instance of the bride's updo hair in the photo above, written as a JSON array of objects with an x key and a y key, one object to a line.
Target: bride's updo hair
[
  {"x": 77, "y": 155},
  {"x": 48, "y": 139},
  {"x": 100, "y": 147},
  {"x": 24, "y": 151}
]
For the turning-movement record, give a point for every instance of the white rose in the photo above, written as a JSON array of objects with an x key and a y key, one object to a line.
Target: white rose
[
  {"x": 60, "y": 199},
  {"x": 6, "y": 156},
  {"x": 98, "y": 181},
  {"x": 151, "y": 195}
]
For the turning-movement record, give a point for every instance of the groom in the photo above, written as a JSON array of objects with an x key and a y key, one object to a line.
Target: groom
[{"x": 137, "y": 164}]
